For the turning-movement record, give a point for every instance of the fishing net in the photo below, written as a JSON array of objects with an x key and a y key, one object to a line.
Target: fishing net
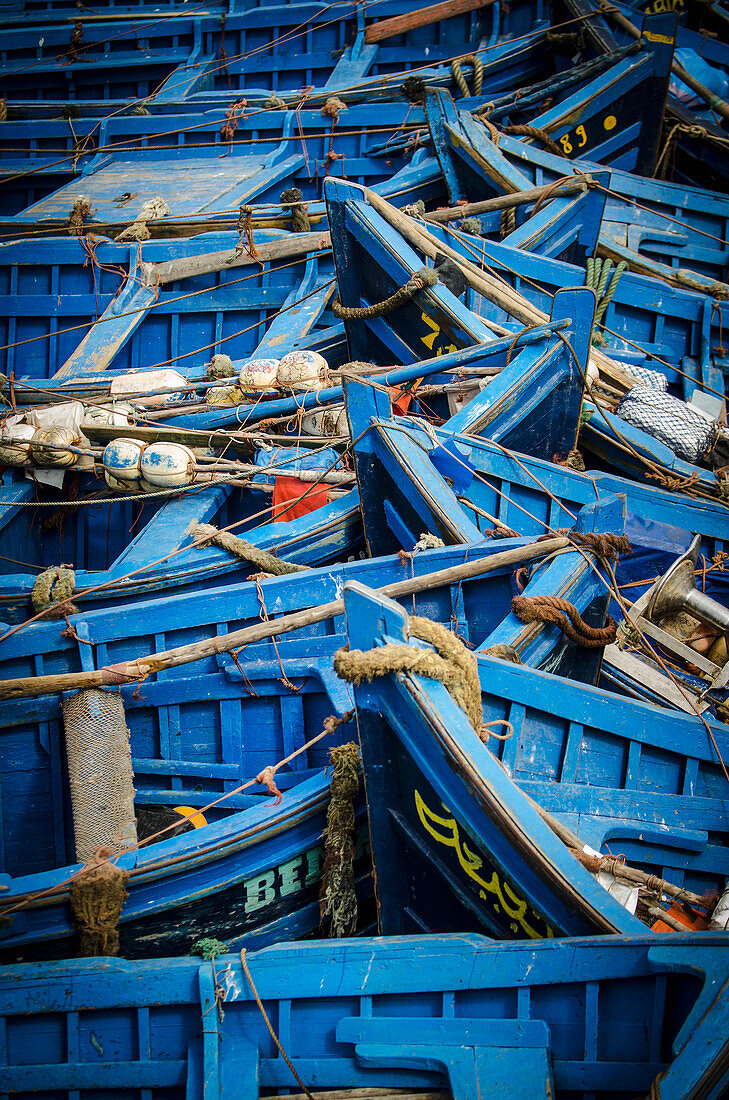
[
  {"x": 669, "y": 420},
  {"x": 100, "y": 772}
]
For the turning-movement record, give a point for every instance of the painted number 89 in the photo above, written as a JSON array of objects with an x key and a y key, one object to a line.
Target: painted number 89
[{"x": 580, "y": 137}]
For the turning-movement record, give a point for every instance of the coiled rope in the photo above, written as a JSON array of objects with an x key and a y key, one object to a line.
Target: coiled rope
[
  {"x": 422, "y": 278},
  {"x": 475, "y": 61},
  {"x": 54, "y": 586},
  {"x": 562, "y": 613},
  {"x": 452, "y": 664},
  {"x": 204, "y": 533}
]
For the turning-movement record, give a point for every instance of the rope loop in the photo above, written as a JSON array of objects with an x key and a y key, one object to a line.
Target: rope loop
[
  {"x": 422, "y": 278},
  {"x": 538, "y": 135},
  {"x": 562, "y": 613},
  {"x": 475, "y": 61},
  {"x": 452, "y": 664},
  {"x": 54, "y": 585}
]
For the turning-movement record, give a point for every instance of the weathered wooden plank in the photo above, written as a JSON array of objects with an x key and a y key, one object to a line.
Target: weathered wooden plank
[
  {"x": 398, "y": 24},
  {"x": 300, "y": 244}
]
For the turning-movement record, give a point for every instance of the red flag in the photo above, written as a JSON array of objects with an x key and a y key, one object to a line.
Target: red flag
[{"x": 289, "y": 489}]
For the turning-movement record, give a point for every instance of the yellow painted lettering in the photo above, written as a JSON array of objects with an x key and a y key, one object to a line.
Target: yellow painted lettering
[
  {"x": 445, "y": 831},
  {"x": 429, "y": 340}
]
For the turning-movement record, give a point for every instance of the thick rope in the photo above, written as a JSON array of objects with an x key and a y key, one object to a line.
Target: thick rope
[
  {"x": 293, "y": 198},
  {"x": 606, "y": 546},
  {"x": 96, "y": 896},
  {"x": 54, "y": 585},
  {"x": 452, "y": 665},
  {"x": 562, "y": 613},
  {"x": 422, "y": 278},
  {"x": 507, "y": 222},
  {"x": 203, "y": 533},
  {"x": 477, "y": 63},
  {"x": 604, "y": 281},
  {"x": 338, "y": 898},
  {"x": 539, "y": 135}
]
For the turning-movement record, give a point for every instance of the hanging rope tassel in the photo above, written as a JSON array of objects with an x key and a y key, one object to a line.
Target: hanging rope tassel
[
  {"x": 203, "y": 533},
  {"x": 452, "y": 664},
  {"x": 338, "y": 899},
  {"x": 562, "y": 613},
  {"x": 97, "y": 896},
  {"x": 422, "y": 278}
]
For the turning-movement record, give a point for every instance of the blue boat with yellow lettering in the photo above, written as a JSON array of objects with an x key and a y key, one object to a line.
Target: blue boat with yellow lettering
[
  {"x": 485, "y": 780},
  {"x": 184, "y": 739}
]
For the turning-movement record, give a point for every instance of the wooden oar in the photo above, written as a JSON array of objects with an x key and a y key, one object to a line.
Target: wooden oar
[{"x": 27, "y": 687}]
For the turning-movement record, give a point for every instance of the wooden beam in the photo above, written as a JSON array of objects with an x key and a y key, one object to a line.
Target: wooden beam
[
  {"x": 505, "y": 202},
  {"x": 138, "y": 669},
  {"x": 298, "y": 244},
  {"x": 398, "y": 24}
]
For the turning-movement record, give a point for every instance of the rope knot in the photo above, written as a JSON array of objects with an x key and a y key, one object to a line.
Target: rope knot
[
  {"x": 332, "y": 108},
  {"x": 267, "y": 778},
  {"x": 233, "y": 114},
  {"x": 414, "y": 89},
  {"x": 293, "y": 198}
]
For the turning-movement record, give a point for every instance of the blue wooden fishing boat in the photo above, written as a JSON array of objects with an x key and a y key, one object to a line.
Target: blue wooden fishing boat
[
  {"x": 658, "y": 222},
  {"x": 566, "y": 1018},
  {"x": 694, "y": 138},
  {"x": 189, "y": 746},
  {"x": 214, "y": 59},
  {"x": 446, "y": 810},
  {"x": 249, "y": 155},
  {"x": 647, "y": 324},
  {"x": 126, "y": 145},
  {"x": 491, "y": 486},
  {"x": 123, "y": 548}
]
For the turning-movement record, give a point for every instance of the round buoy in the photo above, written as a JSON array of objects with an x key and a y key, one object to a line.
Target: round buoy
[
  {"x": 329, "y": 421},
  {"x": 15, "y": 444},
  {"x": 302, "y": 370},
  {"x": 117, "y": 415},
  {"x": 122, "y": 464},
  {"x": 49, "y": 446},
  {"x": 258, "y": 374},
  {"x": 167, "y": 466}
]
